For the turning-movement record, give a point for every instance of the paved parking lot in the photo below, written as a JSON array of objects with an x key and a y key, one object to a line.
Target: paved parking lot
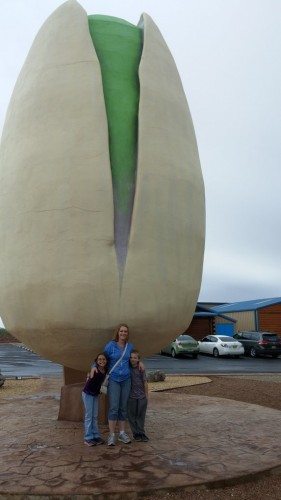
[{"x": 17, "y": 360}]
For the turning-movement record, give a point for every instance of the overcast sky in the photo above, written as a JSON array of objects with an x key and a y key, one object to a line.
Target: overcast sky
[{"x": 228, "y": 56}]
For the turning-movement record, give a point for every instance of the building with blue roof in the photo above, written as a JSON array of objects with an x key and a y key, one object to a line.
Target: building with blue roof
[
  {"x": 206, "y": 321},
  {"x": 252, "y": 315}
]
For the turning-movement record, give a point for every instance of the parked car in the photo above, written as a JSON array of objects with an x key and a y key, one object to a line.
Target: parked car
[
  {"x": 184, "y": 344},
  {"x": 220, "y": 345},
  {"x": 260, "y": 343}
]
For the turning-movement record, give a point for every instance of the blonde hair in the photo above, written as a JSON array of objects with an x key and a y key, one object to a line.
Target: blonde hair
[{"x": 116, "y": 331}]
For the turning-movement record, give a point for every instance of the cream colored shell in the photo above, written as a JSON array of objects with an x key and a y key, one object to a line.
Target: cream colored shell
[
  {"x": 165, "y": 256},
  {"x": 59, "y": 283}
]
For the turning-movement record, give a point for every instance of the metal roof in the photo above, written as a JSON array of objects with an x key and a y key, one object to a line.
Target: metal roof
[
  {"x": 205, "y": 314},
  {"x": 209, "y": 313},
  {"x": 248, "y": 305}
]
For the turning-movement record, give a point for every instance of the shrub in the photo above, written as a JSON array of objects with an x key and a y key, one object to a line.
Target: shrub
[{"x": 156, "y": 376}]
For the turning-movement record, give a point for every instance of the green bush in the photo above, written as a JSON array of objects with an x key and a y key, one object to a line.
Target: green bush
[{"x": 4, "y": 332}]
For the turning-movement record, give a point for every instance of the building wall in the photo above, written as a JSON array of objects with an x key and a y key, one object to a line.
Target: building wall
[
  {"x": 199, "y": 328},
  {"x": 265, "y": 319},
  {"x": 245, "y": 320},
  {"x": 269, "y": 319}
]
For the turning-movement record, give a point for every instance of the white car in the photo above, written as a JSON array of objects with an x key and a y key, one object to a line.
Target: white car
[{"x": 220, "y": 345}]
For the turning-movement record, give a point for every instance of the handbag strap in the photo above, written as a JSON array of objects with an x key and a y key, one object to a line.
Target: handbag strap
[{"x": 120, "y": 359}]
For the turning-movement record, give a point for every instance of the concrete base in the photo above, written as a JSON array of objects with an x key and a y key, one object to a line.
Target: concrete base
[
  {"x": 72, "y": 407},
  {"x": 195, "y": 442}
]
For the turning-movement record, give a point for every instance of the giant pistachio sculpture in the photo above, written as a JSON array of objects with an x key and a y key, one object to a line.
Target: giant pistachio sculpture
[{"x": 102, "y": 215}]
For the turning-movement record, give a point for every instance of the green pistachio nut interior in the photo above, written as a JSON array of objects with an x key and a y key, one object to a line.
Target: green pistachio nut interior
[{"x": 118, "y": 45}]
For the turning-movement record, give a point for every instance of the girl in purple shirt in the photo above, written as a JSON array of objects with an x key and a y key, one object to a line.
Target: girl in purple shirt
[{"x": 90, "y": 396}]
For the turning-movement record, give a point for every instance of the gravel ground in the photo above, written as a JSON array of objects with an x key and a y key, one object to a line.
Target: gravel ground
[
  {"x": 263, "y": 390},
  {"x": 21, "y": 387}
]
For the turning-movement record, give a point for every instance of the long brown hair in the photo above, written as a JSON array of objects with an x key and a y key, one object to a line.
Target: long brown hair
[
  {"x": 105, "y": 356},
  {"x": 116, "y": 331}
]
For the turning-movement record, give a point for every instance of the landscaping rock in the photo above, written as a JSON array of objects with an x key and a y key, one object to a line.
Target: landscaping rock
[
  {"x": 2, "y": 379},
  {"x": 156, "y": 376}
]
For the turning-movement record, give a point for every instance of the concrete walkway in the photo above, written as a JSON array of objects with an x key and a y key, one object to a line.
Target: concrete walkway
[{"x": 194, "y": 442}]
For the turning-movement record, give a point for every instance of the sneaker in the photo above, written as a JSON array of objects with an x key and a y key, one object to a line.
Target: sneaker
[
  {"x": 124, "y": 438},
  {"x": 99, "y": 440},
  {"x": 89, "y": 443},
  {"x": 137, "y": 437},
  {"x": 144, "y": 438},
  {"x": 111, "y": 440}
]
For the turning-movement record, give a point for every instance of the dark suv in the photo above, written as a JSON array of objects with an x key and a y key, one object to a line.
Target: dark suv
[{"x": 260, "y": 343}]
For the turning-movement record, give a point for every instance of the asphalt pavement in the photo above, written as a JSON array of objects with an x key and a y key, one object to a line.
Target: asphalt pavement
[
  {"x": 18, "y": 361},
  {"x": 207, "y": 365}
]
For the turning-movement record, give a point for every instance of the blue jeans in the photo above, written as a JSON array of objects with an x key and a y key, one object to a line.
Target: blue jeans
[
  {"x": 91, "y": 404},
  {"x": 118, "y": 393}
]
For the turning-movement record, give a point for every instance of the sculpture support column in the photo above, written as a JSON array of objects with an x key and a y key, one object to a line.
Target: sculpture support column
[
  {"x": 73, "y": 376},
  {"x": 71, "y": 405}
]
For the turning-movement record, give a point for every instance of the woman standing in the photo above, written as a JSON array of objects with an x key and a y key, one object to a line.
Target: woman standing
[{"x": 118, "y": 352}]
